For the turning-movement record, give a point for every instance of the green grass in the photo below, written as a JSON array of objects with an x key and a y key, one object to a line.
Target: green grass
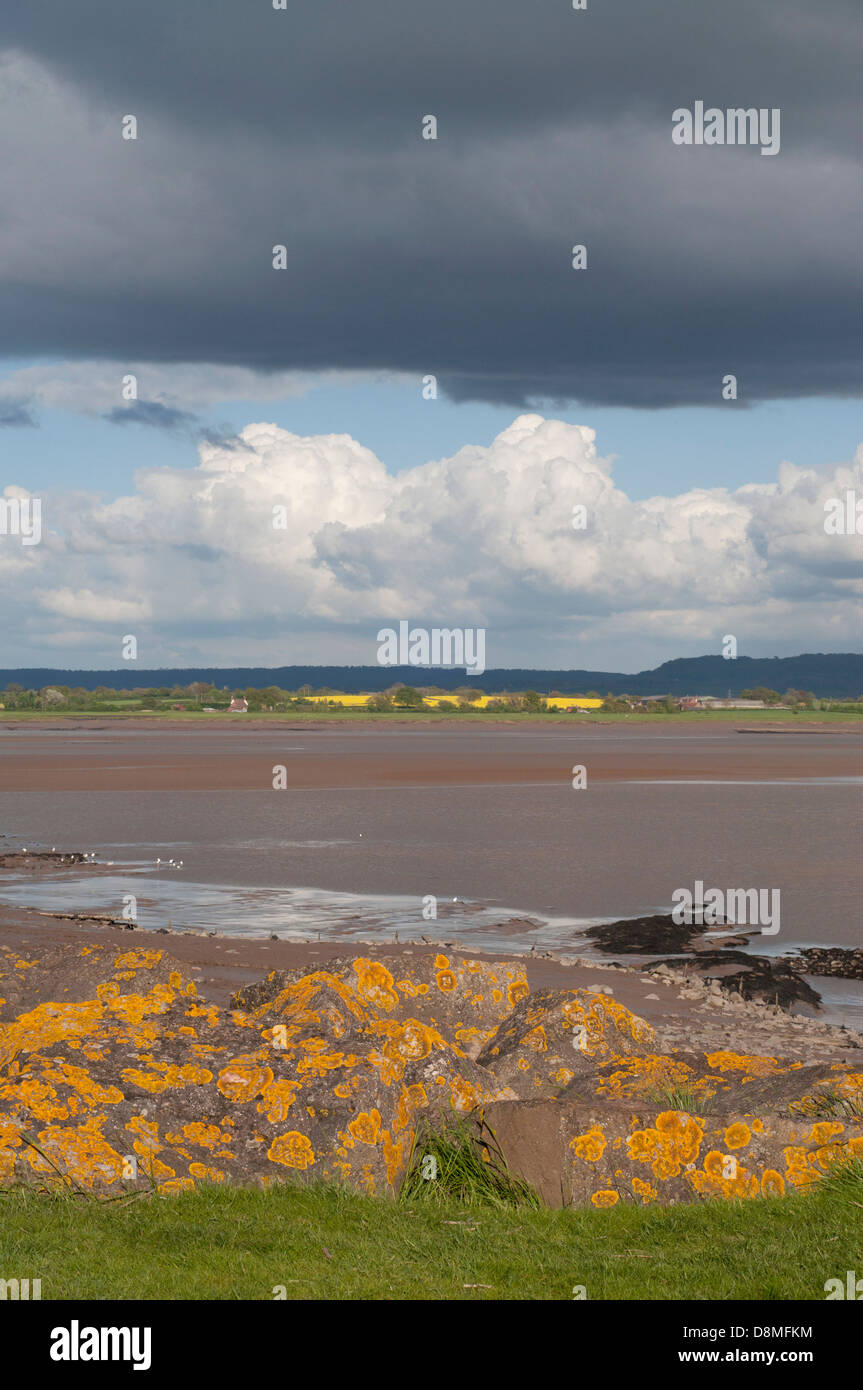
[
  {"x": 829, "y": 1104},
  {"x": 458, "y": 1172},
  {"x": 748, "y": 718},
  {"x": 678, "y": 1096},
  {"x": 320, "y": 1242}
]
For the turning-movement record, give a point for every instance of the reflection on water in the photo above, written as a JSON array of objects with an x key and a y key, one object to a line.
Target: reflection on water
[
  {"x": 168, "y": 899},
  {"x": 294, "y": 914}
]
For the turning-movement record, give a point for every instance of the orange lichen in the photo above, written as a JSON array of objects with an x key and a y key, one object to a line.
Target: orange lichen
[
  {"x": 605, "y": 1198},
  {"x": 166, "y": 1076},
  {"x": 393, "y": 1156},
  {"x": 798, "y": 1171},
  {"x": 674, "y": 1141},
  {"x": 737, "y": 1136},
  {"x": 81, "y": 1154},
  {"x": 412, "y": 1099},
  {"x": 536, "y": 1039},
  {"x": 825, "y": 1131},
  {"x": 139, "y": 959},
  {"x": 293, "y": 1149},
  {"x": 519, "y": 989},
  {"x": 243, "y": 1079},
  {"x": 739, "y": 1061},
  {"x": 590, "y": 1146},
  {"x": 277, "y": 1099},
  {"x": 375, "y": 984},
  {"x": 463, "y": 1094},
  {"x": 772, "y": 1183},
  {"x": 176, "y": 1185},
  {"x": 200, "y": 1170},
  {"x": 644, "y": 1190},
  {"x": 365, "y": 1127}
]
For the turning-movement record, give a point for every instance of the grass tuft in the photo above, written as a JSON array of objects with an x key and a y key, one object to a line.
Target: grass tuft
[
  {"x": 844, "y": 1180},
  {"x": 452, "y": 1165},
  {"x": 829, "y": 1104},
  {"x": 677, "y": 1096}
]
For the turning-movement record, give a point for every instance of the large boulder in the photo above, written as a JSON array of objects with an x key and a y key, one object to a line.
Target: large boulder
[
  {"x": 464, "y": 999},
  {"x": 143, "y": 1083},
  {"x": 579, "y": 1152},
  {"x": 115, "y": 1074}
]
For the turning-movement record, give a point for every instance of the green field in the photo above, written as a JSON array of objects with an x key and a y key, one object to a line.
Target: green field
[
  {"x": 325, "y": 715},
  {"x": 327, "y": 1243}
]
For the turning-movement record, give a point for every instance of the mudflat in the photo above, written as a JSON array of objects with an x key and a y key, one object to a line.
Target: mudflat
[
  {"x": 122, "y": 756},
  {"x": 684, "y": 1011},
  {"x": 474, "y": 814}
]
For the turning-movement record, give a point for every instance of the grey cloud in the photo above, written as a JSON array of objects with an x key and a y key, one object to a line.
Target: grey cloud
[
  {"x": 15, "y": 416},
  {"x": 259, "y": 127},
  {"x": 151, "y": 413},
  {"x": 155, "y": 415}
]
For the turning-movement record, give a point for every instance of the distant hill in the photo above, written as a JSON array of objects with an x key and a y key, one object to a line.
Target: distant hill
[{"x": 836, "y": 674}]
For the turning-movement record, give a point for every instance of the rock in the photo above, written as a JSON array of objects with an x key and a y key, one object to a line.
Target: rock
[
  {"x": 832, "y": 960},
  {"x": 579, "y": 1153},
  {"x": 555, "y": 1036},
  {"x": 467, "y": 999},
  {"x": 115, "y": 1075},
  {"x": 140, "y": 1082},
  {"x": 750, "y": 977},
  {"x": 644, "y": 936},
  {"x": 76, "y": 973}
]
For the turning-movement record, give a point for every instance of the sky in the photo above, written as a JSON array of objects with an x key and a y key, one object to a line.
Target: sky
[{"x": 307, "y": 388}]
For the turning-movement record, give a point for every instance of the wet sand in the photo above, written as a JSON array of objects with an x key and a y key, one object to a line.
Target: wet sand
[
  {"x": 684, "y": 1012},
  {"x": 373, "y": 818},
  {"x": 122, "y": 756}
]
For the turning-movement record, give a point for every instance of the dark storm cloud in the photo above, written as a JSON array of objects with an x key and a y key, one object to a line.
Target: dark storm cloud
[
  {"x": 302, "y": 127},
  {"x": 14, "y": 416},
  {"x": 153, "y": 414}
]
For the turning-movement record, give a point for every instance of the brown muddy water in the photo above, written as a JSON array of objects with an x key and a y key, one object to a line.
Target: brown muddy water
[{"x": 375, "y": 820}]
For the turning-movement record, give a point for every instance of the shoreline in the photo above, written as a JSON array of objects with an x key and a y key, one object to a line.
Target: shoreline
[
  {"x": 686, "y": 1012},
  {"x": 639, "y": 950}
]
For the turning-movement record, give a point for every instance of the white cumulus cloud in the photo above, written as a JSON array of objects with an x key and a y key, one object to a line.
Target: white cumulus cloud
[{"x": 292, "y": 549}]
